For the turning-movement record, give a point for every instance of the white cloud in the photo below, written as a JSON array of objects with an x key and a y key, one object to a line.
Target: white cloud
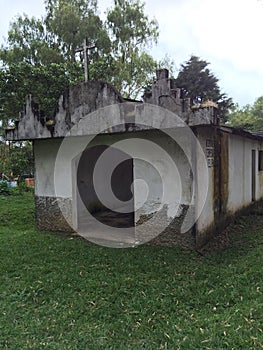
[
  {"x": 232, "y": 29},
  {"x": 227, "y": 33},
  {"x": 10, "y": 9}
]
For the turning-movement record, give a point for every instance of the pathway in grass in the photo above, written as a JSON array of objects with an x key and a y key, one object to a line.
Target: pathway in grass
[{"x": 60, "y": 292}]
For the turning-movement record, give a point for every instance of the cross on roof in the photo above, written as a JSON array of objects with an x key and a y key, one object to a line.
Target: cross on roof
[{"x": 85, "y": 49}]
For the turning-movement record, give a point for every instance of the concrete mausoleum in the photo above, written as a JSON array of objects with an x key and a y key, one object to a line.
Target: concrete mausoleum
[{"x": 123, "y": 172}]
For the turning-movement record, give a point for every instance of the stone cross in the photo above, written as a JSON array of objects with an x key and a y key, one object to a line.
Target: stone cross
[{"x": 85, "y": 49}]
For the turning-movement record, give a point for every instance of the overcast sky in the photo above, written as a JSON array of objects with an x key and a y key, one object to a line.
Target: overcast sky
[{"x": 226, "y": 33}]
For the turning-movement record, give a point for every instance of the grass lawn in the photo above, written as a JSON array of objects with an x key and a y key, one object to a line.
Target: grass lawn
[{"x": 60, "y": 292}]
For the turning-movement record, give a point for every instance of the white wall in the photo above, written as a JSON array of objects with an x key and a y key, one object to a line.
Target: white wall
[
  {"x": 159, "y": 164},
  {"x": 54, "y": 161},
  {"x": 45, "y": 153},
  {"x": 205, "y": 180},
  {"x": 164, "y": 174},
  {"x": 240, "y": 172}
]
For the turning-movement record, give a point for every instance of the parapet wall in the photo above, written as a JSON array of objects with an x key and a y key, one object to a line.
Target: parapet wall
[
  {"x": 165, "y": 94},
  {"x": 81, "y": 100}
]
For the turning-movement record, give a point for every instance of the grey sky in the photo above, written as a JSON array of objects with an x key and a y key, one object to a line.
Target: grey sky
[{"x": 227, "y": 33}]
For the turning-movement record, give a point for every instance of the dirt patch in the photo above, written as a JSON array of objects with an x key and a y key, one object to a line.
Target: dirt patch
[{"x": 244, "y": 229}]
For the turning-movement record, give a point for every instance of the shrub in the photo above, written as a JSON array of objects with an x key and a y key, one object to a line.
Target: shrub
[
  {"x": 4, "y": 189},
  {"x": 21, "y": 188}
]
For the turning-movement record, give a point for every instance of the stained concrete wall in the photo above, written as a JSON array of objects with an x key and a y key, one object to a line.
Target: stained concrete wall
[
  {"x": 163, "y": 189},
  {"x": 229, "y": 189},
  {"x": 76, "y": 102},
  {"x": 240, "y": 172},
  {"x": 45, "y": 153},
  {"x": 48, "y": 203},
  {"x": 205, "y": 184},
  {"x": 163, "y": 180},
  {"x": 162, "y": 164},
  {"x": 159, "y": 164},
  {"x": 81, "y": 101}
]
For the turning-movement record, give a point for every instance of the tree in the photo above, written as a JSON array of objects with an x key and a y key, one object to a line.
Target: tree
[
  {"x": 73, "y": 21},
  {"x": 199, "y": 84},
  {"x": 29, "y": 42},
  {"x": 36, "y": 49},
  {"x": 131, "y": 32},
  {"x": 257, "y": 113},
  {"x": 119, "y": 57},
  {"x": 16, "y": 158},
  {"x": 249, "y": 117},
  {"x": 32, "y": 63},
  {"x": 39, "y": 57},
  {"x": 45, "y": 83}
]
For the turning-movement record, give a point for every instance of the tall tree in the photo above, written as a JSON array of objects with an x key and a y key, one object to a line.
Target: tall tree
[
  {"x": 45, "y": 83},
  {"x": 200, "y": 84},
  {"x": 249, "y": 117},
  {"x": 42, "y": 47},
  {"x": 131, "y": 32},
  {"x": 39, "y": 57},
  {"x": 30, "y": 42},
  {"x": 16, "y": 158},
  {"x": 130, "y": 28},
  {"x": 72, "y": 21}
]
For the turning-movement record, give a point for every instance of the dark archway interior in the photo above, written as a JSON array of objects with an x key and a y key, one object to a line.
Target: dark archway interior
[{"x": 120, "y": 181}]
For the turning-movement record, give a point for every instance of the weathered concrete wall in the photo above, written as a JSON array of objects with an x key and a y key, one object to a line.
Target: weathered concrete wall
[
  {"x": 165, "y": 168},
  {"x": 80, "y": 102},
  {"x": 260, "y": 177},
  {"x": 77, "y": 102},
  {"x": 45, "y": 153},
  {"x": 165, "y": 94},
  {"x": 49, "y": 213},
  {"x": 175, "y": 179},
  {"x": 162, "y": 166},
  {"x": 240, "y": 172},
  {"x": 223, "y": 180},
  {"x": 229, "y": 163},
  {"x": 205, "y": 184},
  {"x": 163, "y": 189},
  {"x": 47, "y": 203}
]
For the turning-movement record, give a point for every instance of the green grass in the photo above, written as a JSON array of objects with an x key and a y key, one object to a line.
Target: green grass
[{"x": 60, "y": 292}]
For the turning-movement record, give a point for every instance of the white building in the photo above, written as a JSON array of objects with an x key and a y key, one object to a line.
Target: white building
[{"x": 123, "y": 172}]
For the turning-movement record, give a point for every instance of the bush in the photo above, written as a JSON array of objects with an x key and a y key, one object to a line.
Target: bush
[
  {"x": 21, "y": 188},
  {"x": 4, "y": 189}
]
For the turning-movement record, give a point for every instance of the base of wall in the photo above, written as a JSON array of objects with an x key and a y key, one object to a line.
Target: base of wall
[
  {"x": 202, "y": 238},
  {"x": 171, "y": 234},
  {"x": 49, "y": 215}
]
